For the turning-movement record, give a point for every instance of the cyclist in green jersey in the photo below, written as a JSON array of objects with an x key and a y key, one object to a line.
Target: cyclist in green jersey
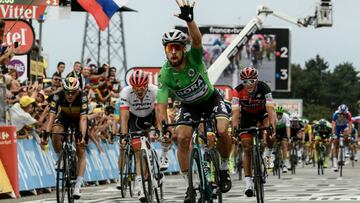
[{"x": 184, "y": 75}]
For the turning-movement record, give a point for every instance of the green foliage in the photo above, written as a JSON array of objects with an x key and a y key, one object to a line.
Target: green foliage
[{"x": 323, "y": 90}]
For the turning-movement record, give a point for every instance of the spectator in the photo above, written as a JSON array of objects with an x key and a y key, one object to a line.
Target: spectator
[
  {"x": 20, "y": 115},
  {"x": 112, "y": 72},
  {"x": 56, "y": 85},
  {"x": 60, "y": 68},
  {"x": 76, "y": 73},
  {"x": 14, "y": 86},
  {"x": 6, "y": 52},
  {"x": 102, "y": 92}
]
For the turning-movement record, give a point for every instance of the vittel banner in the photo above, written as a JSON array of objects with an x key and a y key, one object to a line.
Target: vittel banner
[{"x": 19, "y": 31}]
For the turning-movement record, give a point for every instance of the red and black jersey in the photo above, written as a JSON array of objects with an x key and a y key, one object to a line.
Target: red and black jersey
[{"x": 254, "y": 102}]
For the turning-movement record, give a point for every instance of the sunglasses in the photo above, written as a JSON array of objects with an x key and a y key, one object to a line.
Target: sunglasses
[
  {"x": 57, "y": 79},
  {"x": 249, "y": 81},
  {"x": 170, "y": 47},
  {"x": 70, "y": 92},
  {"x": 140, "y": 88}
]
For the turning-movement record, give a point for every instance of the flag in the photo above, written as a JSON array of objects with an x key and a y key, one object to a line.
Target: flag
[{"x": 102, "y": 10}]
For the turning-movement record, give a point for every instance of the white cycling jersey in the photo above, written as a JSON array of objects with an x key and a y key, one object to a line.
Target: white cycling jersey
[{"x": 130, "y": 101}]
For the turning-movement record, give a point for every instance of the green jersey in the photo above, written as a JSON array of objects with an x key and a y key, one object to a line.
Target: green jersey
[{"x": 191, "y": 85}]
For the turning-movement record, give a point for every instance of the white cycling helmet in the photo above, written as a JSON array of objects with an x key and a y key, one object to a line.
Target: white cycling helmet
[
  {"x": 71, "y": 84},
  {"x": 175, "y": 36}
]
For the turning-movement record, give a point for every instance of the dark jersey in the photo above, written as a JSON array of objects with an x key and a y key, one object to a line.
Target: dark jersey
[
  {"x": 295, "y": 127},
  {"x": 72, "y": 110},
  {"x": 251, "y": 103},
  {"x": 325, "y": 131}
]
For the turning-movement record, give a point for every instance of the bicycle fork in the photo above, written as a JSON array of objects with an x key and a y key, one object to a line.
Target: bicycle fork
[{"x": 150, "y": 156}]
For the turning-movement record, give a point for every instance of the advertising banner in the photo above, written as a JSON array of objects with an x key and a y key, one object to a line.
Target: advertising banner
[
  {"x": 8, "y": 155},
  {"x": 5, "y": 185},
  {"x": 152, "y": 71},
  {"x": 293, "y": 106},
  {"x": 19, "y": 31},
  {"x": 20, "y": 64}
]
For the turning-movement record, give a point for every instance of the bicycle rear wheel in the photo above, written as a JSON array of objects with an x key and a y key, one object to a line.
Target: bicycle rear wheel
[
  {"x": 258, "y": 176},
  {"x": 61, "y": 178},
  {"x": 146, "y": 176},
  {"x": 196, "y": 179}
]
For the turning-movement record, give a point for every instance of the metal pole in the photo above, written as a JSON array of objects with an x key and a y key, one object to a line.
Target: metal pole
[
  {"x": 123, "y": 41},
  {"x": 85, "y": 34}
]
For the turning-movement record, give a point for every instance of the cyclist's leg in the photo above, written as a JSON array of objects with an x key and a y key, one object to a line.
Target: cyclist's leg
[
  {"x": 268, "y": 139},
  {"x": 58, "y": 127},
  {"x": 217, "y": 106},
  {"x": 336, "y": 148},
  {"x": 247, "y": 120},
  {"x": 183, "y": 139},
  {"x": 81, "y": 155},
  {"x": 327, "y": 144},
  {"x": 136, "y": 124},
  {"x": 285, "y": 155},
  {"x": 165, "y": 146}
]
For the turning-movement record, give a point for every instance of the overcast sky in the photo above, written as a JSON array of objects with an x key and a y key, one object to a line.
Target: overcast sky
[{"x": 62, "y": 39}]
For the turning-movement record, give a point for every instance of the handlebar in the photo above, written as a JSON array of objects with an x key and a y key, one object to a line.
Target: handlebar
[{"x": 252, "y": 130}]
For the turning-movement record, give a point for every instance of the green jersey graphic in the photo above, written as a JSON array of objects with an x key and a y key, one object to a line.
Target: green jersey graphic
[{"x": 191, "y": 85}]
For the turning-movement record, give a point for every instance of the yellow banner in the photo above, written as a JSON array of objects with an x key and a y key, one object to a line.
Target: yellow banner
[
  {"x": 5, "y": 186},
  {"x": 37, "y": 68}
]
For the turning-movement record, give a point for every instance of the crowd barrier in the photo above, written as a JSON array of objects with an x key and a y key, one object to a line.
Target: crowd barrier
[{"x": 36, "y": 168}]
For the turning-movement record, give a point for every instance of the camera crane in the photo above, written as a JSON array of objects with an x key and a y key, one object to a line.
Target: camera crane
[{"x": 322, "y": 18}]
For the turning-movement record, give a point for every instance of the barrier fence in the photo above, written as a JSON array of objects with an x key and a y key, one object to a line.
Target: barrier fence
[{"x": 36, "y": 168}]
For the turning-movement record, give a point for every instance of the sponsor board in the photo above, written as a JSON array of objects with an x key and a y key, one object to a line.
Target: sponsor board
[
  {"x": 153, "y": 73},
  {"x": 293, "y": 106},
  {"x": 20, "y": 64},
  {"x": 19, "y": 31}
]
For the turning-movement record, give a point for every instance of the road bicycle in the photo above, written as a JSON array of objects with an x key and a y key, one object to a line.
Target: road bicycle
[
  {"x": 341, "y": 162},
  {"x": 278, "y": 163},
  {"x": 66, "y": 167},
  {"x": 320, "y": 152},
  {"x": 204, "y": 167},
  {"x": 151, "y": 175},
  {"x": 257, "y": 162},
  {"x": 293, "y": 155},
  {"x": 128, "y": 168}
]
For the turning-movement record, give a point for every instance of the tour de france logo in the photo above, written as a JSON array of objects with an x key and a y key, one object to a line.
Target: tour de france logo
[
  {"x": 191, "y": 72},
  {"x": 4, "y": 135}
]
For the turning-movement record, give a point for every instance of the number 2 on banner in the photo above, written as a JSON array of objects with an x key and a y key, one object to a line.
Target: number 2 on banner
[
  {"x": 284, "y": 74},
  {"x": 284, "y": 52}
]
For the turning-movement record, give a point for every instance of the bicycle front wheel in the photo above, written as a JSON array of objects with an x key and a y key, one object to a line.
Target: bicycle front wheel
[
  {"x": 61, "y": 178},
  {"x": 146, "y": 175},
  {"x": 159, "y": 194},
  {"x": 196, "y": 179},
  {"x": 293, "y": 160},
  {"x": 131, "y": 172},
  {"x": 341, "y": 161},
  {"x": 124, "y": 175},
  {"x": 258, "y": 176},
  {"x": 215, "y": 175}
]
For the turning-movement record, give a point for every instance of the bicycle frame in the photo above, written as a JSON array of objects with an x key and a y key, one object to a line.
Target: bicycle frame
[{"x": 146, "y": 146}]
